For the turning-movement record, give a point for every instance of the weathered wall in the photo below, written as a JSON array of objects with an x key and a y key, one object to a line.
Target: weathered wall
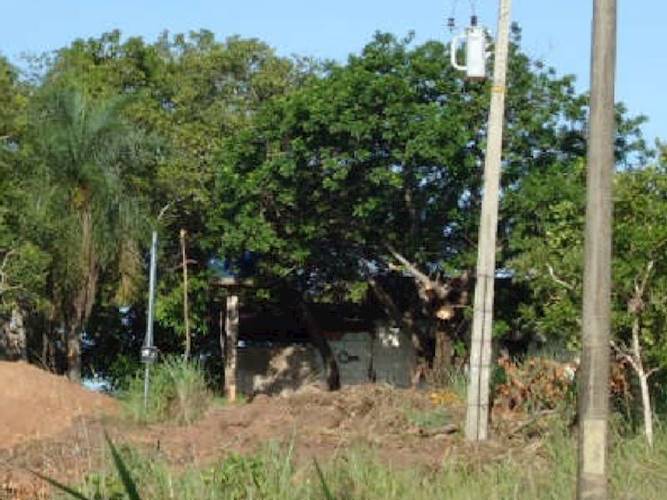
[
  {"x": 388, "y": 356},
  {"x": 276, "y": 370}
]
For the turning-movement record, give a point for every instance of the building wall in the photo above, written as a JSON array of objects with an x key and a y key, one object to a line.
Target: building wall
[
  {"x": 388, "y": 356},
  {"x": 395, "y": 357}
]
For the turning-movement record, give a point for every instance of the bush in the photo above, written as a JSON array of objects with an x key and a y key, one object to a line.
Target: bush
[{"x": 178, "y": 392}]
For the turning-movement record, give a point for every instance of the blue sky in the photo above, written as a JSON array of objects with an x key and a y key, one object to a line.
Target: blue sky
[{"x": 557, "y": 31}]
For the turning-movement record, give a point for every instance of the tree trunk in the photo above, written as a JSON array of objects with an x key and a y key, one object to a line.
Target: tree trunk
[
  {"x": 332, "y": 374},
  {"x": 636, "y": 307},
  {"x": 48, "y": 348},
  {"x": 442, "y": 360},
  {"x": 646, "y": 404},
  {"x": 73, "y": 343},
  {"x": 13, "y": 339},
  {"x": 231, "y": 341},
  {"x": 84, "y": 298},
  {"x": 638, "y": 364}
]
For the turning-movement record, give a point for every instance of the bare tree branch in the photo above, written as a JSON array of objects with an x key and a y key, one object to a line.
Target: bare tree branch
[
  {"x": 624, "y": 353},
  {"x": 557, "y": 279},
  {"x": 426, "y": 282},
  {"x": 166, "y": 207},
  {"x": 5, "y": 259}
]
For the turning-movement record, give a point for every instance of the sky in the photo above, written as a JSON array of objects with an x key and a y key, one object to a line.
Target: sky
[{"x": 556, "y": 31}]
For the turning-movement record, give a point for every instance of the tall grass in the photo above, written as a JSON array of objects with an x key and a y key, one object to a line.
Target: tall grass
[
  {"x": 548, "y": 472},
  {"x": 178, "y": 393}
]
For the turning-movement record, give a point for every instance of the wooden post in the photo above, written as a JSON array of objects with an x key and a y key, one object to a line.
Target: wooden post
[
  {"x": 186, "y": 320},
  {"x": 477, "y": 414},
  {"x": 232, "y": 335},
  {"x": 594, "y": 371}
]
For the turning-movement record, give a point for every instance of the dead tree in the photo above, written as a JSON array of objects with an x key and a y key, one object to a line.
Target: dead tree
[{"x": 633, "y": 354}]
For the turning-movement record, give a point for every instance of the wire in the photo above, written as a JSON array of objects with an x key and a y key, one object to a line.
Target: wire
[
  {"x": 454, "y": 4},
  {"x": 451, "y": 20}
]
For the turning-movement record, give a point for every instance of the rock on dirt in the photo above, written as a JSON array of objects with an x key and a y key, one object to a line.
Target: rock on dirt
[{"x": 35, "y": 404}]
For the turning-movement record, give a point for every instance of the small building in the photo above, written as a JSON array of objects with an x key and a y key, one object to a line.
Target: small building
[{"x": 275, "y": 355}]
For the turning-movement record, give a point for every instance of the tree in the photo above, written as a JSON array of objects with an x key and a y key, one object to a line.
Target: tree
[
  {"x": 186, "y": 93},
  {"x": 86, "y": 149},
  {"x": 548, "y": 249},
  {"x": 22, "y": 261},
  {"x": 372, "y": 169}
]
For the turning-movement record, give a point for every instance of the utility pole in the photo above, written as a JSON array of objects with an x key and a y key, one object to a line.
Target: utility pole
[
  {"x": 594, "y": 371},
  {"x": 186, "y": 314},
  {"x": 477, "y": 414},
  {"x": 148, "y": 350}
]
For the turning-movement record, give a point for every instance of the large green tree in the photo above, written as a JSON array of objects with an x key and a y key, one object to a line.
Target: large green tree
[
  {"x": 373, "y": 168},
  {"x": 22, "y": 261},
  {"x": 190, "y": 91}
]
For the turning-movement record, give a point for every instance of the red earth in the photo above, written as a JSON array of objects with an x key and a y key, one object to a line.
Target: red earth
[{"x": 53, "y": 427}]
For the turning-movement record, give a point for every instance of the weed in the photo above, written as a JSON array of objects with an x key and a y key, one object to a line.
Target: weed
[
  {"x": 547, "y": 473},
  {"x": 177, "y": 392},
  {"x": 428, "y": 419}
]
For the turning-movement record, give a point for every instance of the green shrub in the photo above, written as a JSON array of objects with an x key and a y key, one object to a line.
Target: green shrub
[
  {"x": 178, "y": 392},
  {"x": 429, "y": 419}
]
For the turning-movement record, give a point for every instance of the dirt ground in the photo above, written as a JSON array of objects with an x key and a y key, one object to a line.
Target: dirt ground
[
  {"x": 56, "y": 428},
  {"x": 36, "y": 404}
]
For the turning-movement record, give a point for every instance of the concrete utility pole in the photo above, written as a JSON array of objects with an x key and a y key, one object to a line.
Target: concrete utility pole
[
  {"x": 477, "y": 414},
  {"x": 594, "y": 371}
]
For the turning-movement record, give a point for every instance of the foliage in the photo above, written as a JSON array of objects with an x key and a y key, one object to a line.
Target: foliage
[
  {"x": 329, "y": 173},
  {"x": 385, "y": 150},
  {"x": 23, "y": 262},
  {"x": 548, "y": 253},
  {"x": 178, "y": 393}
]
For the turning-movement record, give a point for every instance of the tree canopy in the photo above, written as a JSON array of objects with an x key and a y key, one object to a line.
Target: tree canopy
[{"x": 346, "y": 182}]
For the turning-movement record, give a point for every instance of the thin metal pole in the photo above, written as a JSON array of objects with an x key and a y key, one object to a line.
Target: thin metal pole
[
  {"x": 186, "y": 314},
  {"x": 148, "y": 347},
  {"x": 151, "y": 291},
  {"x": 477, "y": 414},
  {"x": 594, "y": 371},
  {"x": 147, "y": 373}
]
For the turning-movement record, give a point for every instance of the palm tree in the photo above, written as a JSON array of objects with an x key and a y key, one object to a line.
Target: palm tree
[{"x": 87, "y": 148}]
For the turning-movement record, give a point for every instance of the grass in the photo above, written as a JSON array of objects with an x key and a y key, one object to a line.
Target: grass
[
  {"x": 547, "y": 472},
  {"x": 178, "y": 392},
  {"x": 428, "y": 419}
]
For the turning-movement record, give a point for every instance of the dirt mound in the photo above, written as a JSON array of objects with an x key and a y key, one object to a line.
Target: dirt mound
[
  {"x": 397, "y": 423},
  {"x": 401, "y": 427},
  {"x": 35, "y": 404}
]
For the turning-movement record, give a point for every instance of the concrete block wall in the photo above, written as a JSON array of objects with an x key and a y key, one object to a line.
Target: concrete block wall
[{"x": 389, "y": 354}]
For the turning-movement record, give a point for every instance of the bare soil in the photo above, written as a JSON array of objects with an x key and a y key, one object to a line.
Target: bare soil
[
  {"x": 37, "y": 405},
  {"x": 53, "y": 427}
]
